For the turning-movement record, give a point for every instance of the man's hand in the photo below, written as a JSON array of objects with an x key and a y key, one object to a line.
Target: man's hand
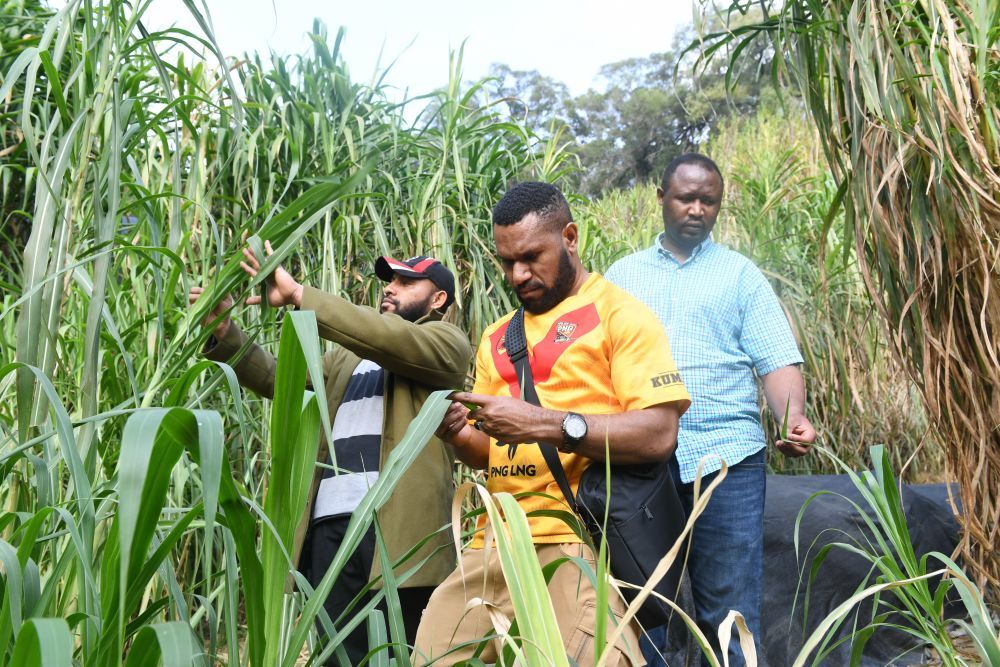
[
  {"x": 455, "y": 427},
  {"x": 471, "y": 446},
  {"x": 282, "y": 289},
  {"x": 511, "y": 420},
  {"x": 785, "y": 391},
  {"x": 222, "y": 328},
  {"x": 801, "y": 435}
]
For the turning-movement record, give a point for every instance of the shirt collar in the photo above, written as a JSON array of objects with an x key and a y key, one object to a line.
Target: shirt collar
[{"x": 698, "y": 249}]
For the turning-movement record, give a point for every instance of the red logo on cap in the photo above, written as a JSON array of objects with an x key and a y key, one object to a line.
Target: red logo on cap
[{"x": 423, "y": 265}]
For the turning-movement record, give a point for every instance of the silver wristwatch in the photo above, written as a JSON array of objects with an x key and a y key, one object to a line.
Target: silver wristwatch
[{"x": 574, "y": 430}]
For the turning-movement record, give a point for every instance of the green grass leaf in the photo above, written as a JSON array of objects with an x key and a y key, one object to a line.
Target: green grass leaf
[
  {"x": 44, "y": 642},
  {"x": 784, "y": 421},
  {"x": 417, "y": 434},
  {"x": 168, "y": 644},
  {"x": 295, "y": 431}
]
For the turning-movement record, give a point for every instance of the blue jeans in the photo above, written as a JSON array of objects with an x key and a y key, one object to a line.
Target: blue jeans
[{"x": 726, "y": 564}]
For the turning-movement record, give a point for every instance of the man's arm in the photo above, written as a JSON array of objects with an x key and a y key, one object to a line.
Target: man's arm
[
  {"x": 767, "y": 339},
  {"x": 785, "y": 386},
  {"x": 255, "y": 368},
  {"x": 648, "y": 435},
  {"x": 435, "y": 353}
]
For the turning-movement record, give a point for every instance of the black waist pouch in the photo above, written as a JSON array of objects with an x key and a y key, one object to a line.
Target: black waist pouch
[{"x": 644, "y": 519}]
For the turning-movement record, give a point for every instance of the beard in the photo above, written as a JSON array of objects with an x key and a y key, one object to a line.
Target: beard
[
  {"x": 411, "y": 312},
  {"x": 560, "y": 289}
]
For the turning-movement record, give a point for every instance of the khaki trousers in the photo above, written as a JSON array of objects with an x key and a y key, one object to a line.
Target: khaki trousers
[{"x": 449, "y": 632}]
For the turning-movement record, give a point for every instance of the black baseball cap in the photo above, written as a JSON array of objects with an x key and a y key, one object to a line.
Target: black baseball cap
[{"x": 420, "y": 266}]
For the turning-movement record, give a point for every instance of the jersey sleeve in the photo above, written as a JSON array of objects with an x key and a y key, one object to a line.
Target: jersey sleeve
[
  {"x": 643, "y": 371},
  {"x": 484, "y": 367},
  {"x": 485, "y": 382}
]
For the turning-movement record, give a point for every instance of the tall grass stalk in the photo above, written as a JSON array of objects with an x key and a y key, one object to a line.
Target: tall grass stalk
[{"x": 905, "y": 589}]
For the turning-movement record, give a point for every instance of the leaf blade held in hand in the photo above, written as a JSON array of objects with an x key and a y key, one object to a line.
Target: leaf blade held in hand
[{"x": 784, "y": 421}]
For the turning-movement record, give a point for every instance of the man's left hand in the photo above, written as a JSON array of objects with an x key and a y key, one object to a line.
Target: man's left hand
[
  {"x": 801, "y": 435},
  {"x": 508, "y": 419}
]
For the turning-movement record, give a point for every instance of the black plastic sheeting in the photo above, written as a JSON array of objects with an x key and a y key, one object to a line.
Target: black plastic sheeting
[{"x": 829, "y": 518}]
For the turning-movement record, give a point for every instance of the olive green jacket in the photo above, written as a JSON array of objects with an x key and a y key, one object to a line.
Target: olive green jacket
[{"x": 418, "y": 358}]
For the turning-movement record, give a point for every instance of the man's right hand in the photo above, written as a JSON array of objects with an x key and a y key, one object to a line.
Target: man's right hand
[
  {"x": 222, "y": 328},
  {"x": 472, "y": 447}
]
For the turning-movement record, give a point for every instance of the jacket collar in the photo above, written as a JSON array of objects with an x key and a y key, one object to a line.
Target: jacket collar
[{"x": 432, "y": 316}]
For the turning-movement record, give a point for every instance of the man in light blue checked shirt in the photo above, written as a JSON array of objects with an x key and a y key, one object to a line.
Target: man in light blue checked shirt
[{"x": 726, "y": 329}]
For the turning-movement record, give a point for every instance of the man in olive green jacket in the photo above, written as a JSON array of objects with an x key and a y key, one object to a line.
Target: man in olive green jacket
[{"x": 386, "y": 364}]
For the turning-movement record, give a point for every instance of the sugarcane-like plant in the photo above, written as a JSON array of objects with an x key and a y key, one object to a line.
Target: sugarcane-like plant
[{"x": 905, "y": 589}]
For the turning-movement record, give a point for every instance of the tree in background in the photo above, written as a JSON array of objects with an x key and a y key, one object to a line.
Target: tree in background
[
  {"x": 537, "y": 100},
  {"x": 652, "y": 109}
]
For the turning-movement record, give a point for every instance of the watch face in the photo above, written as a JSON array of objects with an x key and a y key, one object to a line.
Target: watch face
[{"x": 575, "y": 426}]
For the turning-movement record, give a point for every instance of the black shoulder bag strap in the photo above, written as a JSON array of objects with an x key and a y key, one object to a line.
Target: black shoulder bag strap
[{"x": 517, "y": 349}]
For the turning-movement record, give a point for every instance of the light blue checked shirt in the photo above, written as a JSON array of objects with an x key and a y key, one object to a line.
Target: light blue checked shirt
[{"x": 724, "y": 322}]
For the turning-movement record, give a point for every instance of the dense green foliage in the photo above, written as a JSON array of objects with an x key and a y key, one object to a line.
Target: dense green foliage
[
  {"x": 132, "y": 171},
  {"x": 137, "y": 480}
]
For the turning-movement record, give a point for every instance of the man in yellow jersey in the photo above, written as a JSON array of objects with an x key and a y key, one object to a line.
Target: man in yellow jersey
[{"x": 603, "y": 372}]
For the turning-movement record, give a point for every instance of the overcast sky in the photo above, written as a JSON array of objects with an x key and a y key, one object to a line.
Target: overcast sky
[{"x": 567, "y": 40}]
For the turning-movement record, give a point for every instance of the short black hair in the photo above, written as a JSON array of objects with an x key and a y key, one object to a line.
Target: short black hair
[
  {"x": 543, "y": 199},
  {"x": 689, "y": 158}
]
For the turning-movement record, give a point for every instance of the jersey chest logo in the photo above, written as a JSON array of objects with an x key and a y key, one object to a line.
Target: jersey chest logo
[
  {"x": 569, "y": 328},
  {"x": 564, "y": 332}
]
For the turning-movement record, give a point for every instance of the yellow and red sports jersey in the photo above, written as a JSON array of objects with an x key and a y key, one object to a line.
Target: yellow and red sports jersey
[{"x": 599, "y": 351}]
